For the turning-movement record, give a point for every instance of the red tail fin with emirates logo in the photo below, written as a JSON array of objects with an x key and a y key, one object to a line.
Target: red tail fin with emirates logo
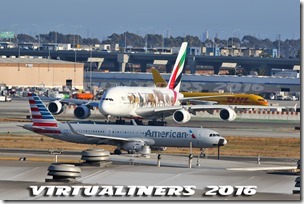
[{"x": 176, "y": 75}]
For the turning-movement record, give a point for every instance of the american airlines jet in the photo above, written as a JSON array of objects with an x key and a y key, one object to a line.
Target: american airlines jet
[
  {"x": 131, "y": 138},
  {"x": 148, "y": 102}
]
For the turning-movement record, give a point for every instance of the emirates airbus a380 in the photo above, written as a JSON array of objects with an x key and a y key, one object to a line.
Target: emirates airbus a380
[{"x": 154, "y": 103}]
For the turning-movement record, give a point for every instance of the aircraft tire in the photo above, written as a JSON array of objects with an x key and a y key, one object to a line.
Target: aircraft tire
[
  {"x": 117, "y": 151},
  {"x": 131, "y": 151},
  {"x": 121, "y": 122}
]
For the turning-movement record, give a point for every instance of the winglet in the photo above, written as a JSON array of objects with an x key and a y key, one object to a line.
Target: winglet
[
  {"x": 176, "y": 75},
  {"x": 73, "y": 130},
  {"x": 295, "y": 107}
]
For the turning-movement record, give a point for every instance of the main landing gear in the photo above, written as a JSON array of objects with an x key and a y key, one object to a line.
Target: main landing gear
[
  {"x": 157, "y": 123},
  {"x": 120, "y": 121},
  {"x": 140, "y": 122},
  {"x": 118, "y": 151}
]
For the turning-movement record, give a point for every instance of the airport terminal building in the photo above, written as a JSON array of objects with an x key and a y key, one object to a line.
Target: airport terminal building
[
  {"x": 33, "y": 72},
  {"x": 197, "y": 82}
]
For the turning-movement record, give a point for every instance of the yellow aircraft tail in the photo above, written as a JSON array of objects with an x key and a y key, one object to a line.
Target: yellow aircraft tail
[{"x": 159, "y": 81}]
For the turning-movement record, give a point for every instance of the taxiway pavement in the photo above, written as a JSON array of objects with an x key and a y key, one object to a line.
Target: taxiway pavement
[
  {"x": 126, "y": 170},
  {"x": 16, "y": 176}
]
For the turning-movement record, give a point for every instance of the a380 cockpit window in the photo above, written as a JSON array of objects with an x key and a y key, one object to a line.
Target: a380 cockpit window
[
  {"x": 214, "y": 135},
  {"x": 107, "y": 99}
]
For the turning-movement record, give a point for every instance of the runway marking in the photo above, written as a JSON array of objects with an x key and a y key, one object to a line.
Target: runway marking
[
  {"x": 263, "y": 168},
  {"x": 246, "y": 180},
  {"x": 163, "y": 181},
  {"x": 24, "y": 173},
  {"x": 101, "y": 172}
]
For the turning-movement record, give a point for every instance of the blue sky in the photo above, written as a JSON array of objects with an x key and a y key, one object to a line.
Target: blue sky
[{"x": 101, "y": 18}]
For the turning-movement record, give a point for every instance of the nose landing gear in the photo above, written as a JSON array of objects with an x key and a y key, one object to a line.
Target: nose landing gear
[{"x": 220, "y": 143}]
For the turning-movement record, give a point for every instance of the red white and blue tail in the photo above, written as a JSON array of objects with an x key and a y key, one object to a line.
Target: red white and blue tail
[
  {"x": 41, "y": 116},
  {"x": 176, "y": 75}
]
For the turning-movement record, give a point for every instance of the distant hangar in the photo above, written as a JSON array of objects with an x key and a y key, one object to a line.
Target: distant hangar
[{"x": 34, "y": 72}]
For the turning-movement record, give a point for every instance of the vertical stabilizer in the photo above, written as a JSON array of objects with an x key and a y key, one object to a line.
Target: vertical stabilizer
[
  {"x": 176, "y": 75},
  {"x": 159, "y": 81},
  {"x": 41, "y": 116}
]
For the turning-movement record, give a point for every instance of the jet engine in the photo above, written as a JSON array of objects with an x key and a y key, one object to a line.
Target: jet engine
[
  {"x": 82, "y": 112},
  {"x": 181, "y": 116},
  {"x": 227, "y": 114},
  {"x": 55, "y": 107},
  {"x": 136, "y": 146}
]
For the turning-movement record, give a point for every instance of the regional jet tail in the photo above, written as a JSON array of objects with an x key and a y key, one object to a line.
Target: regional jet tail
[{"x": 131, "y": 138}]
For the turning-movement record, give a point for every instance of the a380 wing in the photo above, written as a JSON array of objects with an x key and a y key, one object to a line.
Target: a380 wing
[
  {"x": 217, "y": 107},
  {"x": 278, "y": 108},
  {"x": 165, "y": 111},
  {"x": 78, "y": 102},
  {"x": 71, "y": 101},
  {"x": 169, "y": 110}
]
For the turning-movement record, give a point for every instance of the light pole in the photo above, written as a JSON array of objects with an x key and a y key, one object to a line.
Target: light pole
[
  {"x": 15, "y": 31},
  {"x": 146, "y": 42},
  {"x": 163, "y": 42},
  {"x": 214, "y": 46},
  {"x": 74, "y": 40},
  {"x": 145, "y": 30},
  {"x": 38, "y": 35},
  {"x": 125, "y": 37},
  {"x": 75, "y": 70},
  {"x": 75, "y": 57},
  {"x": 90, "y": 69},
  {"x": 56, "y": 32},
  {"x": 279, "y": 45},
  {"x": 125, "y": 47}
]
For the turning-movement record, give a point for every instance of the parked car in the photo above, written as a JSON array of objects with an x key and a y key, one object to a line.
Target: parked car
[{"x": 5, "y": 99}]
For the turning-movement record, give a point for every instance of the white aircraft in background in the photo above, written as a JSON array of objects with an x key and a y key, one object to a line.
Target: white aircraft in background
[
  {"x": 148, "y": 102},
  {"x": 131, "y": 138}
]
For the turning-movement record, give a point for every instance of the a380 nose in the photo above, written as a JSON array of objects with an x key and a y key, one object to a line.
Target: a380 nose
[{"x": 103, "y": 108}]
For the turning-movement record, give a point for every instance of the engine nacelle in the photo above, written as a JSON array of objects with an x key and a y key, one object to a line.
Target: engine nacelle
[
  {"x": 82, "y": 112},
  {"x": 181, "y": 116},
  {"x": 55, "y": 107},
  {"x": 227, "y": 114},
  {"x": 136, "y": 145}
]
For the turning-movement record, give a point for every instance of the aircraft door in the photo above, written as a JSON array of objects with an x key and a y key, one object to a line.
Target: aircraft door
[
  {"x": 200, "y": 138},
  {"x": 109, "y": 131}
]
